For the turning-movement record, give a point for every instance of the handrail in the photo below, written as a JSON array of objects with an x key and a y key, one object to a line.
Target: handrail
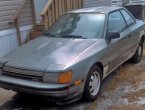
[
  {"x": 14, "y": 20},
  {"x": 16, "y": 15},
  {"x": 46, "y": 7},
  {"x": 55, "y": 8}
]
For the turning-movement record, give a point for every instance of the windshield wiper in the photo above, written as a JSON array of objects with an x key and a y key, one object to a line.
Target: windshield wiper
[
  {"x": 51, "y": 35},
  {"x": 73, "y": 36}
]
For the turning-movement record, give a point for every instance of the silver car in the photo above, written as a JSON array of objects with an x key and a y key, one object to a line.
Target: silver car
[{"x": 73, "y": 57}]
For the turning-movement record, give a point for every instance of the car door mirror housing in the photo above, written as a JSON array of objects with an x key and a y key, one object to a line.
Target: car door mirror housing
[{"x": 113, "y": 35}]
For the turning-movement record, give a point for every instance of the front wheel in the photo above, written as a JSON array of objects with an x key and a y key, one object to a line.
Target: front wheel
[
  {"x": 93, "y": 84},
  {"x": 138, "y": 54}
]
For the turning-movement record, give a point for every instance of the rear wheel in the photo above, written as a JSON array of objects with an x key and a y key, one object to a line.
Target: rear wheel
[
  {"x": 93, "y": 84},
  {"x": 138, "y": 54}
]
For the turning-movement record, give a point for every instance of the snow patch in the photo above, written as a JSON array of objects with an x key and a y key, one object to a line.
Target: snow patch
[
  {"x": 129, "y": 89},
  {"x": 141, "y": 101}
]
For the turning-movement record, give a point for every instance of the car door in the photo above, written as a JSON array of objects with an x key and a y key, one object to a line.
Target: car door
[
  {"x": 117, "y": 47},
  {"x": 133, "y": 33}
]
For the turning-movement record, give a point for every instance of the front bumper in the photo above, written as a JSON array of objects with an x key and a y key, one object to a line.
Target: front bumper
[{"x": 54, "y": 91}]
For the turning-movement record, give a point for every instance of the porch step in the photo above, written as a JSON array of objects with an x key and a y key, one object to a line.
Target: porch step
[
  {"x": 35, "y": 34},
  {"x": 39, "y": 27},
  {"x": 37, "y": 31}
]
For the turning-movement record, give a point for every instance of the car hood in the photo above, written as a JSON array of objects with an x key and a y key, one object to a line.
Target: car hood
[{"x": 47, "y": 53}]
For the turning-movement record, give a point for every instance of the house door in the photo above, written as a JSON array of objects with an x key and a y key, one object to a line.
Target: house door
[{"x": 39, "y": 5}]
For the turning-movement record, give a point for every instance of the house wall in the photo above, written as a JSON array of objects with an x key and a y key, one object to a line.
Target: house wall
[
  {"x": 117, "y": 2},
  {"x": 8, "y": 39},
  {"x": 8, "y": 9},
  {"x": 93, "y": 3},
  {"x": 8, "y": 36}
]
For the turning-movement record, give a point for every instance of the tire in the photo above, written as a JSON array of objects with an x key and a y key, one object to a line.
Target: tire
[
  {"x": 138, "y": 54},
  {"x": 91, "y": 91}
]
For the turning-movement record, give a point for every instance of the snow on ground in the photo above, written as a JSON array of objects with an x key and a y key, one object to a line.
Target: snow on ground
[{"x": 124, "y": 89}]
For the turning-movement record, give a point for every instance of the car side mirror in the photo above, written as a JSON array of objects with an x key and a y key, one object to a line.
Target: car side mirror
[{"x": 113, "y": 35}]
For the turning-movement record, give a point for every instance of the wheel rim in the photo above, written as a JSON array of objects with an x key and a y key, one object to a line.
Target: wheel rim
[
  {"x": 139, "y": 51},
  {"x": 95, "y": 83}
]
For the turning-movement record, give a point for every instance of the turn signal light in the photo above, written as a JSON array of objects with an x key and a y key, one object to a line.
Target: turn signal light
[
  {"x": 77, "y": 83},
  {"x": 65, "y": 77}
]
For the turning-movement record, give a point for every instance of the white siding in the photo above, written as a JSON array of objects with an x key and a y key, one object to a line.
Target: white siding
[
  {"x": 93, "y": 3},
  {"x": 8, "y": 9},
  {"x": 8, "y": 39},
  {"x": 137, "y": 1},
  {"x": 117, "y": 2}
]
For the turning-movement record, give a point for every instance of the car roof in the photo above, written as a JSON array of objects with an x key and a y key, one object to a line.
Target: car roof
[{"x": 102, "y": 9}]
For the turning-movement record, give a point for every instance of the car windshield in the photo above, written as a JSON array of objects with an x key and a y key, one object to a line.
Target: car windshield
[{"x": 76, "y": 25}]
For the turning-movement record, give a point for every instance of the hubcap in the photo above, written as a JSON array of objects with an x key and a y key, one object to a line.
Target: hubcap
[
  {"x": 95, "y": 83},
  {"x": 139, "y": 50}
]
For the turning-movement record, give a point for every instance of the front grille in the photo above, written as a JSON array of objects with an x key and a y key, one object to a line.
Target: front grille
[{"x": 23, "y": 76}]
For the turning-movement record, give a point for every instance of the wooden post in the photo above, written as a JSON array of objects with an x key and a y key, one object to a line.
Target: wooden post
[
  {"x": 56, "y": 9},
  {"x": 18, "y": 32},
  {"x": 14, "y": 20},
  {"x": 33, "y": 13},
  {"x": 82, "y": 3},
  {"x": 53, "y": 13},
  {"x": 45, "y": 21},
  {"x": 16, "y": 15},
  {"x": 63, "y": 6}
]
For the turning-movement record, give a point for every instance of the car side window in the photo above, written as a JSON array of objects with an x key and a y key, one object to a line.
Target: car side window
[
  {"x": 116, "y": 22},
  {"x": 129, "y": 19}
]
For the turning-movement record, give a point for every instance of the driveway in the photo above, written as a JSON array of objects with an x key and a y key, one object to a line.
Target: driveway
[{"x": 124, "y": 89}]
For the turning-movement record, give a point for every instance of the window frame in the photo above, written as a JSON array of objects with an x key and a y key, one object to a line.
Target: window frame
[
  {"x": 122, "y": 17},
  {"x": 130, "y": 16}
]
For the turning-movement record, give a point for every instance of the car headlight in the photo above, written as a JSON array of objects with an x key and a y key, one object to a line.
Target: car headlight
[
  {"x": 65, "y": 77},
  {"x": 50, "y": 78},
  {"x": 60, "y": 78}
]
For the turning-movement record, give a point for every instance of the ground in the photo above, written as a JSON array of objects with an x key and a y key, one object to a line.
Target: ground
[{"x": 124, "y": 89}]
